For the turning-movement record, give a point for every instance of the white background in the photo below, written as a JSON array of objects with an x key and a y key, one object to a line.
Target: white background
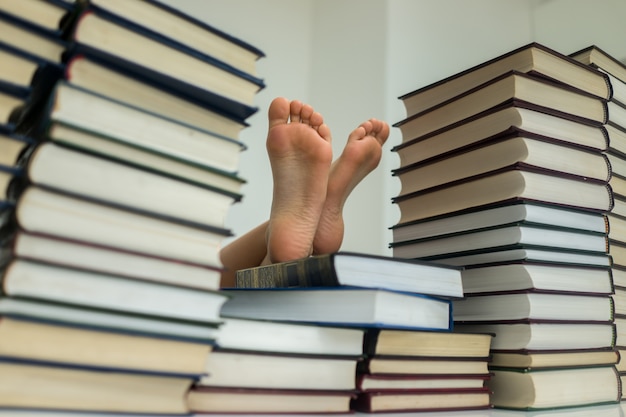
[{"x": 351, "y": 59}]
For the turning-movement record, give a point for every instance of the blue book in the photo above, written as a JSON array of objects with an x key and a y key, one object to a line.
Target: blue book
[{"x": 341, "y": 306}]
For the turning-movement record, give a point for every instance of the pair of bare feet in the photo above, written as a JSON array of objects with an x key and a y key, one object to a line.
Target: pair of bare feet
[{"x": 310, "y": 190}]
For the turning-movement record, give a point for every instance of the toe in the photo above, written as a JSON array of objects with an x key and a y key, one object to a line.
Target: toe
[{"x": 278, "y": 112}]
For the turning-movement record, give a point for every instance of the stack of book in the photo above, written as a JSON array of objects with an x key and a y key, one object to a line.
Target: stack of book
[
  {"x": 118, "y": 169},
  {"x": 411, "y": 360},
  {"x": 615, "y": 129},
  {"x": 271, "y": 367},
  {"x": 504, "y": 171}
]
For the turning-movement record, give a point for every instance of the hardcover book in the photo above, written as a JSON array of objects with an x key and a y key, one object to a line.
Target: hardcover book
[
  {"x": 507, "y": 88},
  {"x": 534, "y": 58},
  {"x": 322, "y": 305},
  {"x": 357, "y": 270}
]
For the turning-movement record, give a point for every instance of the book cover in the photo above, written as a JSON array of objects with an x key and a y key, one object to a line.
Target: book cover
[
  {"x": 268, "y": 401},
  {"x": 535, "y": 58},
  {"x": 369, "y": 307},
  {"x": 105, "y": 78},
  {"x": 499, "y": 213},
  {"x": 137, "y": 50},
  {"x": 38, "y": 280},
  {"x": 513, "y": 149},
  {"x": 553, "y": 388},
  {"x": 519, "y": 233},
  {"x": 562, "y": 99},
  {"x": 505, "y": 186},
  {"x": 175, "y": 27},
  {"x": 442, "y": 400},
  {"x": 31, "y": 39},
  {"x": 534, "y": 305},
  {"x": 356, "y": 269}
]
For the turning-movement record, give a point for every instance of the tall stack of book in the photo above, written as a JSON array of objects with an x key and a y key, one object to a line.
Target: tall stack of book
[
  {"x": 121, "y": 165},
  {"x": 615, "y": 127},
  {"x": 411, "y": 360},
  {"x": 504, "y": 171}
]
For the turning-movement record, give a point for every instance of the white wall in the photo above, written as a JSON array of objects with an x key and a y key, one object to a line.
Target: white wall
[{"x": 351, "y": 59}]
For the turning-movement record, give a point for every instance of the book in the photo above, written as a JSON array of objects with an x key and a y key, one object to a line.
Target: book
[
  {"x": 94, "y": 257},
  {"x": 36, "y": 280},
  {"x": 42, "y": 44},
  {"x": 54, "y": 16},
  {"x": 499, "y": 121},
  {"x": 619, "y": 300},
  {"x": 97, "y": 30},
  {"x": 515, "y": 149},
  {"x": 23, "y": 69},
  {"x": 107, "y": 320},
  {"x": 103, "y": 77},
  {"x": 617, "y": 138},
  {"x": 534, "y": 306},
  {"x": 376, "y": 383},
  {"x": 532, "y": 58},
  {"x": 620, "y": 330},
  {"x": 55, "y": 167},
  {"x": 50, "y": 213},
  {"x": 81, "y": 389},
  {"x": 524, "y": 253},
  {"x": 146, "y": 159},
  {"x": 13, "y": 149},
  {"x": 184, "y": 30},
  {"x": 358, "y": 270},
  {"x": 520, "y": 233},
  {"x": 619, "y": 276},
  {"x": 424, "y": 366},
  {"x": 507, "y": 88},
  {"x": 617, "y": 251},
  {"x": 547, "y": 389},
  {"x": 207, "y": 400},
  {"x": 498, "y": 214},
  {"x": 440, "y": 400},
  {"x": 596, "y": 57},
  {"x": 501, "y": 186},
  {"x": 368, "y": 307},
  {"x": 533, "y": 276},
  {"x": 13, "y": 101},
  {"x": 276, "y": 371},
  {"x": 544, "y": 336},
  {"x": 426, "y": 344},
  {"x": 619, "y": 207},
  {"x": 33, "y": 340},
  {"x": 288, "y": 338},
  {"x": 553, "y": 358},
  {"x": 137, "y": 128},
  {"x": 604, "y": 410}
]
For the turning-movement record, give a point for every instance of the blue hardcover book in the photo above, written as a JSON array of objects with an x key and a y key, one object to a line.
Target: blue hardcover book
[{"x": 341, "y": 306}]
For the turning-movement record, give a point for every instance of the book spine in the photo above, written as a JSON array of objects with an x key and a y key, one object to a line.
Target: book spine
[{"x": 316, "y": 271}]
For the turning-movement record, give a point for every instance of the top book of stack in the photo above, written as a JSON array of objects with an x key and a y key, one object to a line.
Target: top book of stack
[{"x": 533, "y": 59}]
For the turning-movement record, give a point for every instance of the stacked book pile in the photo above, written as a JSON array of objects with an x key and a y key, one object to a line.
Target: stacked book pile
[
  {"x": 119, "y": 161},
  {"x": 505, "y": 172},
  {"x": 409, "y": 359},
  {"x": 615, "y": 129}
]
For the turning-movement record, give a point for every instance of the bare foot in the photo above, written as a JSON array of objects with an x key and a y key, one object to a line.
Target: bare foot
[
  {"x": 300, "y": 152},
  {"x": 360, "y": 156}
]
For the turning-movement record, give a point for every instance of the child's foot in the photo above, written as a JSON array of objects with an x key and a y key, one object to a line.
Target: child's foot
[
  {"x": 300, "y": 152},
  {"x": 360, "y": 156}
]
